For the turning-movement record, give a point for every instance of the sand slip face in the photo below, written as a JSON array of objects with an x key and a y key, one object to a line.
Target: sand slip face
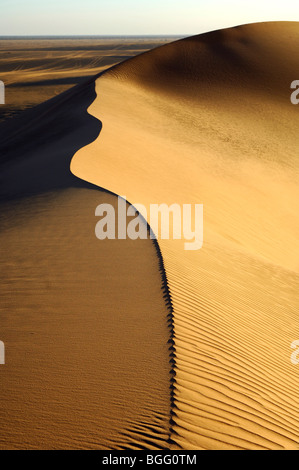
[
  {"x": 84, "y": 321},
  {"x": 86, "y": 343},
  {"x": 209, "y": 120}
]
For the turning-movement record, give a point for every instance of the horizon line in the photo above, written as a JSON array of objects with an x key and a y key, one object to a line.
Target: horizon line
[{"x": 88, "y": 35}]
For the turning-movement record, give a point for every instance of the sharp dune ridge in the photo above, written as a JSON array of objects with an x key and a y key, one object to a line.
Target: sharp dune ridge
[
  {"x": 88, "y": 363},
  {"x": 171, "y": 341},
  {"x": 205, "y": 119},
  {"x": 86, "y": 323},
  {"x": 208, "y": 120}
]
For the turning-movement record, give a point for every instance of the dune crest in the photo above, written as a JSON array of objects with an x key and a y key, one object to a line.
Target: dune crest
[
  {"x": 84, "y": 322},
  {"x": 208, "y": 120}
]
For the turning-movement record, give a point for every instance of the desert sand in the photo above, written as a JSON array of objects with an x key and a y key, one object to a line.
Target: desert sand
[
  {"x": 37, "y": 69},
  {"x": 207, "y": 119},
  {"x": 85, "y": 322}
]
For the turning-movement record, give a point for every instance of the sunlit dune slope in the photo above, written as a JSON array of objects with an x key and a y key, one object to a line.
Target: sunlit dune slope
[{"x": 209, "y": 120}]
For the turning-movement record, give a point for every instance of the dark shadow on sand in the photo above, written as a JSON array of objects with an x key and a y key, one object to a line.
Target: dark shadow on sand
[
  {"x": 37, "y": 146},
  {"x": 36, "y": 149}
]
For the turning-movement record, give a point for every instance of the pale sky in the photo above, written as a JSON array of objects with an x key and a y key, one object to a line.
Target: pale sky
[{"x": 137, "y": 17}]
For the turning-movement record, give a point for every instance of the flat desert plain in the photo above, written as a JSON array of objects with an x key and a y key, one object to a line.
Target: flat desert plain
[
  {"x": 143, "y": 344},
  {"x": 36, "y": 69}
]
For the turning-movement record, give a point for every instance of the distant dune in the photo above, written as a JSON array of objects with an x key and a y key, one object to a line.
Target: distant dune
[
  {"x": 208, "y": 119},
  {"x": 35, "y": 70}
]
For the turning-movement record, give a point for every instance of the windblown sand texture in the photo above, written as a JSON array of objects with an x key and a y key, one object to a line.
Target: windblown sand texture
[
  {"x": 208, "y": 119},
  {"x": 37, "y": 69},
  {"x": 88, "y": 324},
  {"x": 84, "y": 322}
]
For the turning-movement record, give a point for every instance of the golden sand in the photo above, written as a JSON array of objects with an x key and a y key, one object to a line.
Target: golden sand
[{"x": 208, "y": 120}]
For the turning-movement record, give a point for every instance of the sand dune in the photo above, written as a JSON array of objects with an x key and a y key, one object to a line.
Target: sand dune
[
  {"x": 84, "y": 322},
  {"x": 208, "y": 120}
]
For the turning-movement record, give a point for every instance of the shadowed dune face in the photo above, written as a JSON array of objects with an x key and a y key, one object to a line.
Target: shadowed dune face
[
  {"x": 36, "y": 149},
  {"x": 259, "y": 58},
  {"x": 209, "y": 120},
  {"x": 84, "y": 321},
  {"x": 85, "y": 331}
]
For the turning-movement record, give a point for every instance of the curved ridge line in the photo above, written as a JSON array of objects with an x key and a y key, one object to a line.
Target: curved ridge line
[
  {"x": 162, "y": 270},
  {"x": 170, "y": 316}
]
